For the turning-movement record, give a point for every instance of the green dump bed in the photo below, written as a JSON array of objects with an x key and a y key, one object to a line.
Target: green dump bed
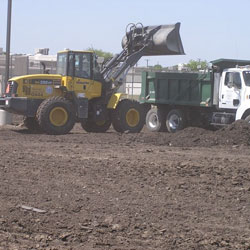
[{"x": 176, "y": 88}]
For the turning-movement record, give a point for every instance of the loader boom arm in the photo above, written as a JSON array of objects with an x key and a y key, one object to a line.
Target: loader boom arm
[{"x": 140, "y": 41}]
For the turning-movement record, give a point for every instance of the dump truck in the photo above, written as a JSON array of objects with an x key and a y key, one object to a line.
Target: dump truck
[
  {"x": 212, "y": 99},
  {"x": 83, "y": 92}
]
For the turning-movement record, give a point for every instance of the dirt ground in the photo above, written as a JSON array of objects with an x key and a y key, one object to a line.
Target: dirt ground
[{"x": 189, "y": 190}]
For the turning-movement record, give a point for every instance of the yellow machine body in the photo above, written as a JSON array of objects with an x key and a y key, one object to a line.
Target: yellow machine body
[
  {"x": 114, "y": 100},
  {"x": 40, "y": 86},
  {"x": 43, "y": 86},
  {"x": 82, "y": 87}
]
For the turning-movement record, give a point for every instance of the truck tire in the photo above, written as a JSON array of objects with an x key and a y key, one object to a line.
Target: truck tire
[
  {"x": 247, "y": 119},
  {"x": 96, "y": 127},
  {"x": 176, "y": 120},
  {"x": 31, "y": 124},
  {"x": 128, "y": 116},
  {"x": 56, "y": 116},
  {"x": 146, "y": 107},
  {"x": 156, "y": 120}
]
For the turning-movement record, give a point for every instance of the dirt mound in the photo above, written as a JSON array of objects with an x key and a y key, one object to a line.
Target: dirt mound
[{"x": 237, "y": 133}]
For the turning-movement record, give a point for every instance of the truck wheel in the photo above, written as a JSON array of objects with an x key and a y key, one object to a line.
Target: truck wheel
[
  {"x": 156, "y": 120},
  {"x": 247, "y": 119},
  {"x": 176, "y": 120},
  {"x": 96, "y": 127},
  {"x": 128, "y": 116},
  {"x": 56, "y": 116},
  {"x": 146, "y": 107},
  {"x": 31, "y": 123}
]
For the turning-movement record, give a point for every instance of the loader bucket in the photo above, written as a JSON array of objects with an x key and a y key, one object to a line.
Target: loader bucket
[{"x": 166, "y": 40}]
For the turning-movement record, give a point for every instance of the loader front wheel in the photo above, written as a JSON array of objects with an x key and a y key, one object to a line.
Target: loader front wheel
[
  {"x": 56, "y": 116},
  {"x": 128, "y": 116},
  {"x": 96, "y": 127}
]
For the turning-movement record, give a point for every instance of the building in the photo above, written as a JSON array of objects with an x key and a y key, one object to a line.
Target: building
[
  {"x": 132, "y": 85},
  {"x": 22, "y": 64}
]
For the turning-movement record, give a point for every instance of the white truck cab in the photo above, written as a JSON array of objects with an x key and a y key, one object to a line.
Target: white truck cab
[
  {"x": 231, "y": 92},
  {"x": 234, "y": 91}
]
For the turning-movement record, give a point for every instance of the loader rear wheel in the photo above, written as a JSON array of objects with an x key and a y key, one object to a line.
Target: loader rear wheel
[
  {"x": 56, "y": 116},
  {"x": 128, "y": 116},
  {"x": 176, "y": 120},
  {"x": 156, "y": 120},
  {"x": 96, "y": 127},
  {"x": 31, "y": 123}
]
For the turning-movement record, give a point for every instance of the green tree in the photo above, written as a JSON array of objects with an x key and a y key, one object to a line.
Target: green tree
[
  {"x": 196, "y": 65},
  {"x": 157, "y": 67},
  {"x": 101, "y": 53}
]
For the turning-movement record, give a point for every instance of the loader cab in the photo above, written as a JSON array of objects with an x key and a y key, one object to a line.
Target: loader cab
[
  {"x": 79, "y": 73},
  {"x": 75, "y": 64}
]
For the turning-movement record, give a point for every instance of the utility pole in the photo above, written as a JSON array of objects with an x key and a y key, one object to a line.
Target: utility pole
[
  {"x": 7, "y": 60},
  {"x": 6, "y": 117}
]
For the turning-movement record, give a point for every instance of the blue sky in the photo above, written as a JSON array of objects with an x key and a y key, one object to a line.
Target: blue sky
[{"x": 209, "y": 29}]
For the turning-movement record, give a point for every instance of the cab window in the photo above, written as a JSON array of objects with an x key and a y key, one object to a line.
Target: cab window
[
  {"x": 246, "y": 75},
  {"x": 233, "y": 79},
  {"x": 62, "y": 64},
  {"x": 96, "y": 68},
  {"x": 82, "y": 65},
  {"x": 71, "y": 65}
]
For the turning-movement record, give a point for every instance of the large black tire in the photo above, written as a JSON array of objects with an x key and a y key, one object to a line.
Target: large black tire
[
  {"x": 176, "y": 120},
  {"x": 56, "y": 116},
  {"x": 96, "y": 127},
  {"x": 247, "y": 119},
  {"x": 128, "y": 116},
  {"x": 156, "y": 120},
  {"x": 31, "y": 124}
]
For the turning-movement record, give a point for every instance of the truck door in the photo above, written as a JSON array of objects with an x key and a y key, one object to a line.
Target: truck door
[{"x": 230, "y": 93}]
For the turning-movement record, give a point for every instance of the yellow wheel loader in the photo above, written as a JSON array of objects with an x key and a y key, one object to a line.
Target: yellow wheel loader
[{"x": 83, "y": 92}]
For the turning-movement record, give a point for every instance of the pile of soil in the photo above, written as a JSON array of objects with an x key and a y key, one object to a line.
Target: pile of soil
[{"x": 237, "y": 133}]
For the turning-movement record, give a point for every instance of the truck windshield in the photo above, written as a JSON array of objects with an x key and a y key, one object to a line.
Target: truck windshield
[
  {"x": 62, "y": 64},
  {"x": 246, "y": 75}
]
